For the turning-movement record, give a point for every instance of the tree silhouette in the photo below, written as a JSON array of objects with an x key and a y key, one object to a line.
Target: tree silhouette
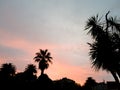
[
  {"x": 105, "y": 49},
  {"x": 44, "y": 58},
  {"x": 66, "y": 84},
  {"x": 7, "y": 70},
  {"x": 114, "y": 24},
  {"x": 30, "y": 72},
  {"x": 89, "y": 84},
  {"x": 7, "y": 73}
]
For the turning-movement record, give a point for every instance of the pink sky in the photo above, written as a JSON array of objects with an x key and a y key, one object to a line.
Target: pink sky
[
  {"x": 63, "y": 65},
  {"x": 27, "y": 26}
]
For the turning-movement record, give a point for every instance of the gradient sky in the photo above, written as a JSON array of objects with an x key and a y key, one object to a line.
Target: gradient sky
[{"x": 57, "y": 25}]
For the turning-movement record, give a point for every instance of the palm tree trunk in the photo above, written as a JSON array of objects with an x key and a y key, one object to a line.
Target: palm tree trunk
[
  {"x": 115, "y": 76},
  {"x": 42, "y": 71},
  {"x": 118, "y": 72}
]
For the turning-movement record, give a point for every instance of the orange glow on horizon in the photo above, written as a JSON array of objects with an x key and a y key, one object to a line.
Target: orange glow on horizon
[
  {"x": 62, "y": 61},
  {"x": 60, "y": 70}
]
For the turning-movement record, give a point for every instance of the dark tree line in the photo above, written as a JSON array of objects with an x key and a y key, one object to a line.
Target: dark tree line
[
  {"x": 27, "y": 79},
  {"x": 10, "y": 79}
]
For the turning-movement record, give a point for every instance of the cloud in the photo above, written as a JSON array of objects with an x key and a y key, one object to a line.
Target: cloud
[
  {"x": 27, "y": 26},
  {"x": 41, "y": 23},
  {"x": 11, "y": 52}
]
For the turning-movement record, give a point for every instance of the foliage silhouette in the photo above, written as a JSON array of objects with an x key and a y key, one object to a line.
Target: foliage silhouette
[
  {"x": 89, "y": 84},
  {"x": 44, "y": 58},
  {"x": 44, "y": 82},
  {"x": 27, "y": 77},
  {"x": 7, "y": 72},
  {"x": 66, "y": 84},
  {"x": 28, "y": 80},
  {"x": 30, "y": 73},
  {"x": 105, "y": 49},
  {"x": 8, "y": 69}
]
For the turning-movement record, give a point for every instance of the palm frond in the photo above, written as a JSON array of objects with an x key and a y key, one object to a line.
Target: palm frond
[
  {"x": 114, "y": 23},
  {"x": 37, "y": 59},
  {"x": 94, "y": 26},
  {"x": 45, "y": 51}
]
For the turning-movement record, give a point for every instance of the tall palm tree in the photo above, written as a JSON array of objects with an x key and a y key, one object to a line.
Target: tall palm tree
[
  {"x": 104, "y": 50},
  {"x": 44, "y": 58},
  {"x": 115, "y": 29}
]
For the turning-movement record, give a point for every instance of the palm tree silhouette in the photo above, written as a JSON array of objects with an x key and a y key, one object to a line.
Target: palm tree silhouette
[
  {"x": 7, "y": 74},
  {"x": 30, "y": 72},
  {"x": 105, "y": 50},
  {"x": 114, "y": 24},
  {"x": 7, "y": 70},
  {"x": 31, "y": 69},
  {"x": 44, "y": 58}
]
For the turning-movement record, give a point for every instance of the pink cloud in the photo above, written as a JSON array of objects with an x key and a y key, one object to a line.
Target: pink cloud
[{"x": 65, "y": 58}]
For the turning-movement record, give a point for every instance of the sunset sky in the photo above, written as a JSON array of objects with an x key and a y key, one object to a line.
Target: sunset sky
[{"x": 57, "y": 25}]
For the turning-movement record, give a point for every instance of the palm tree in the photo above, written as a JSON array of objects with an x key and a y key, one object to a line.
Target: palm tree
[
  {"x": 102, "y": 57},
  {"x": 7, "y": 73},
  {"x": 44, "y": 58},
  {"x": 105, "y": 50},
  {"x": 115, "y": 28},
  {"x": 8, "y": 69},
  {"x": 114, "y": 31},
  {"x": 30, "y": 72},
  {"x": 31, "y": 69}
]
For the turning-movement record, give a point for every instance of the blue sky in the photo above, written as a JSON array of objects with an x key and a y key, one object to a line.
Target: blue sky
[{"x": 28, "y": 25}]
